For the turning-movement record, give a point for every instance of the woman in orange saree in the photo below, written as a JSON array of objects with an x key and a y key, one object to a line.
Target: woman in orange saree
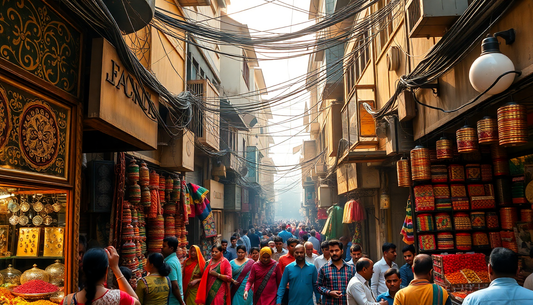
[
  {"x": 193, "y": 268},
  {"x": 215, "y": 284}
]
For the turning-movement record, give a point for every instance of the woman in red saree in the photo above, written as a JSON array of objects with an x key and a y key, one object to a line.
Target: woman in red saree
[
  {"x": 264, "y": 278},
  {"x": 215, "y": 284},
  {"x": 193, "y": 269}
]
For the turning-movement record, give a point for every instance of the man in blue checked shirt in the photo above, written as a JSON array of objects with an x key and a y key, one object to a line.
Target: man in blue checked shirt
[
  {"x": 334, "y": 276},
  {"x": 301, "y": 277}
]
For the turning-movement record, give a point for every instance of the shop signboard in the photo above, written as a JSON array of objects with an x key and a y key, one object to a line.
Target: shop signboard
[{"x": 119, "y": 105}]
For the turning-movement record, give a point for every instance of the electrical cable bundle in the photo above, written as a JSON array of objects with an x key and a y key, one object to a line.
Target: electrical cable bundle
[{"x": 450, "y": 50}]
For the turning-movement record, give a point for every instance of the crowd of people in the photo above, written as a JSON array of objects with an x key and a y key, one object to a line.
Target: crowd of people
[{"x": 293, "y": 267}]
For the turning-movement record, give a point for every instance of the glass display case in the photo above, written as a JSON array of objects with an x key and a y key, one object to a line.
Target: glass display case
[{"x": 32, "y": 234}]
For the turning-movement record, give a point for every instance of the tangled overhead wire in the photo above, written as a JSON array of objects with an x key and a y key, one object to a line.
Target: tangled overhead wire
[{"x": 451, "y": 49}]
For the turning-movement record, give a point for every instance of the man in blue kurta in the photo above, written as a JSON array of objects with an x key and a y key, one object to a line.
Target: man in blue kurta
[
  {"x": 503, "y": 289},
  {"x": 301, "y": 277},
  {"x": 285, "y": 234},
  {"x": 170, "y": 245}
]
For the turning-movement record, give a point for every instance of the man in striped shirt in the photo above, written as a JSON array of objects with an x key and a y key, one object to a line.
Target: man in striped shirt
[{"x": 334, "y": 276}]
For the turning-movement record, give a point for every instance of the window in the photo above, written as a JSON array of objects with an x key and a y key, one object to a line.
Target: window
[
  {"x": 360, "y": 59},
  {"x": 245, "y": 71},
  {"x": 232, "y": 136},
  {"x": 384, "y": 28}
]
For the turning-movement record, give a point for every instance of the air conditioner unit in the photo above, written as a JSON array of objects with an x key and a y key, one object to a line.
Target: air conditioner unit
[
  {"x": 362, "y": 176},
  {"x": 324, "y": 196},
  {"x": 432, "y": 18},
  {"x": 232, "y": 198},
  {"x": 321, "y": 169},
  {"x": 178, "y": 155},
  {"x": 400, "y": 138}
]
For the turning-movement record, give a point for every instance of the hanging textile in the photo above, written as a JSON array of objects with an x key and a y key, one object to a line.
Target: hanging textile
[
  {"x": 183, "y": 201},
  {"x": 333, "y": 227},
  {"x": 353, "y": 212},
  {"x": 407, "y": 227},
  {"x": 347, "y": 216},
  {"x": 203, "y": 209},
  {"x": 322, "y": 214},
  {"x": 358, "y": 236}
]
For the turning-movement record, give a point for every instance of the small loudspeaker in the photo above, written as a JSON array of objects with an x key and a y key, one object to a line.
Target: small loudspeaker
[{"x": 100, "y": 178}]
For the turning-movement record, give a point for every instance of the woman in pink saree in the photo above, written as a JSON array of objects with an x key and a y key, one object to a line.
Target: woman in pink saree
[{"x": 264, "y": 279}]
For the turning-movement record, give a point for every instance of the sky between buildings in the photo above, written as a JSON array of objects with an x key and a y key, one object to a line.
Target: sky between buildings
[{"x": 273, "y": 14}]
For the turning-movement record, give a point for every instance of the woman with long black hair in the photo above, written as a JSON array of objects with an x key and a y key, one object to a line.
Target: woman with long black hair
[
  {"x": 96, "y": 263},
  {"x": 154, "y": 289}
]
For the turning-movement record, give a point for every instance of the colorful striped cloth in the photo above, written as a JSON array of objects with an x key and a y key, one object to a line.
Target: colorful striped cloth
[
  {"x": 203, "y": 209},
  {"x": 407, "y": 227}
]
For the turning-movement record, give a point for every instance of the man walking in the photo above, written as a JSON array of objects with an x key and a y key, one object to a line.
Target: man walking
[
  {"x": 227, "y": 254},
  {"x": 254, "y": 238},
  {"x": 279, "y": 251},
  {"x": 356, "y": 252},
  {"x": 334, "y": 276},
  {"x": 385, "y": 263},
  {"x": 358, "y": 292},
  {"x": 233, "y": 247},
  {"x": 393, "y": 281},
  {"x": 315, "y": 241},
  {"x": 170, "y": 245},
  {"x": 285, "y": 234},
  {"x": 246, "y": 240},
  {"x": 286, "y": 260},
  {"x": 421, "y": 291},
  {"x": 406, "y": 271},
  {"x": 289, "y": 257},
  {"x": 301, "y": 277},
  {"x": 324, "y": 258},
  {"x": 309, "y": 255},
  {"x": 503, "y": 289}
]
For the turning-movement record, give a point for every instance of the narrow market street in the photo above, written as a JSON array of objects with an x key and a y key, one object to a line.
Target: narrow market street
[{"x": 266, "y": 152}]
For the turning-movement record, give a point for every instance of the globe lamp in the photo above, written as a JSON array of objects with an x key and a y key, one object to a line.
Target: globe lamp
[{"x": 491, "y": 65}]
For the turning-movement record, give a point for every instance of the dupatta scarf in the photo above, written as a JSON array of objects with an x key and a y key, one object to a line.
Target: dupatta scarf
[
  {"x": 189, "y": 266},
  {"x": 244, "y": 270}
]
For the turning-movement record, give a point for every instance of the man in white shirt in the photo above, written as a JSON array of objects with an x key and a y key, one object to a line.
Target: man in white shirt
[
  {"x": 356, "y": 252},
  {"x": 378, "y": 279},
  {"x": 324, "y": 258},
  {"x": 278, "y": 251},
  {"x": 309, "y": 255},
  {"x": 528, "y": 283},
  {"x": 357, "y": 291}
]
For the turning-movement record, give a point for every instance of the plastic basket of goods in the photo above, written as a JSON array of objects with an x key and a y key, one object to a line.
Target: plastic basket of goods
[{"x": 35, "y": 289}]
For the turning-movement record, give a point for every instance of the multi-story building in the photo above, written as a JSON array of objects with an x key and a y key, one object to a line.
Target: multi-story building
[
  {"x": 244, "y": 134},
  {"x": 379, "y": 121}
]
